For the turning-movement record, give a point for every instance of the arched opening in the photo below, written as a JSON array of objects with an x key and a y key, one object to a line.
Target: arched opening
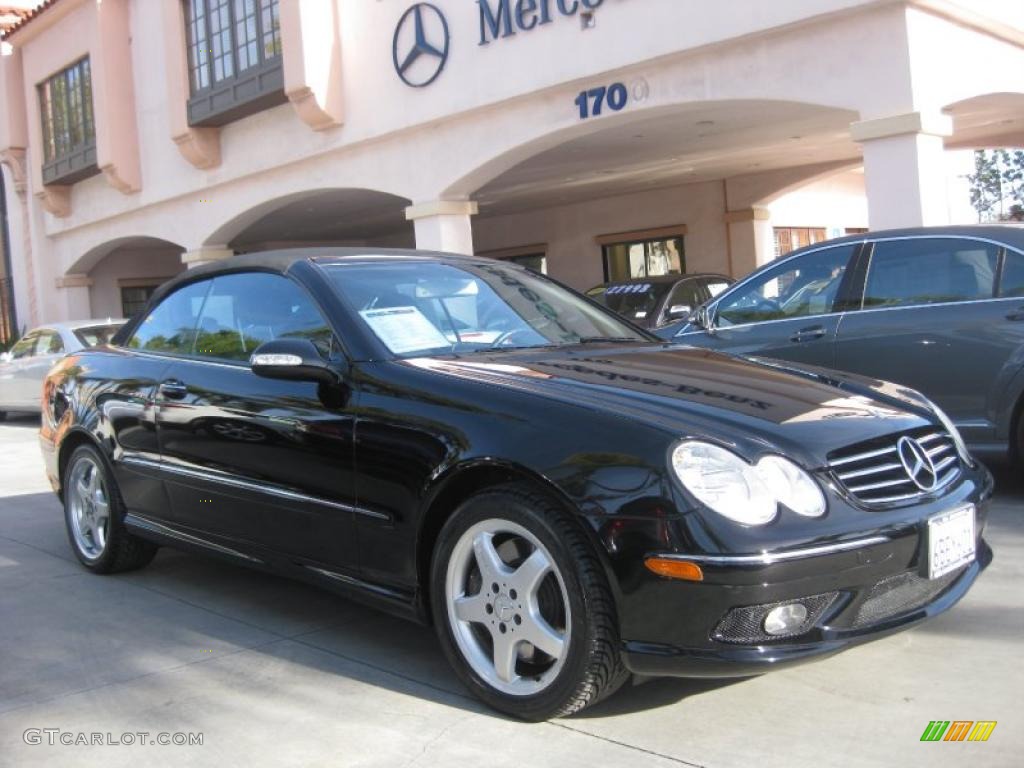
[
  {"x": 616, "y": 198},
  {"x": 991, "y": 120},
  {"x": 123, "y": 273},
  {"x": 328, "y": 217}
]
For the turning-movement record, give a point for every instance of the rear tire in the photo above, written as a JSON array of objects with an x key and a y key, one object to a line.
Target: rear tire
[
  {"x": 522, "y": 606},
  {"x": 94, "y": 516}
]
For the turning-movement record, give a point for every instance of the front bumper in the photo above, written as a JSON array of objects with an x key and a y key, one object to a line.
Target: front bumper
[
  {"x": 875, "y": 587},
  {"x": 729, "y": 660}
]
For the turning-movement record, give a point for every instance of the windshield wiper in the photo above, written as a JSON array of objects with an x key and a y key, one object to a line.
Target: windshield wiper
[{"x": 604, "y": 339}]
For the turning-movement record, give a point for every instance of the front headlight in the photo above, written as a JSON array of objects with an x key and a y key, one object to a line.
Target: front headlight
[
  {"x": 949, "y": 426},
  {"x": 745, "y": 493}
]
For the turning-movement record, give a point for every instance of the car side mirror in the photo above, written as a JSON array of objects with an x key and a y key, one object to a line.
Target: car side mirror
[
  {"x": 292, "y": 360},
  {"x": 701, "y": 318},
  {"x": 679, "y": 311}
]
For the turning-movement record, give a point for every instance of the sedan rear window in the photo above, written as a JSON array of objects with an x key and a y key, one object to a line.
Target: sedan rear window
[
  {"x": 632, "y": 300},
  {"x": 95, "y": 335},
  {"x": 930, "y": 271}
]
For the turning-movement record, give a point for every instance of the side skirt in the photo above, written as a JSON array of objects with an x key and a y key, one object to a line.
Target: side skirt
[{"x": 403, "y": 603}]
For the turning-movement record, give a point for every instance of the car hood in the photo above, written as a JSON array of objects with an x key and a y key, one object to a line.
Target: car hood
[{"x": 754, "y": 405}]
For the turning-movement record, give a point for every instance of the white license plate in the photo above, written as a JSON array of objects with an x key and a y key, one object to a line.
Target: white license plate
[{"x": 950, "y": 541}]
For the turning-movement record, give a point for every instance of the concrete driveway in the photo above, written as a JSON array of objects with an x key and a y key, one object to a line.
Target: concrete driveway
[{"x": 272, "y": 672}]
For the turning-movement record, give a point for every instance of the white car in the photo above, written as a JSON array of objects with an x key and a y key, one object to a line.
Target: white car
[{"x": 23, "y": 369}]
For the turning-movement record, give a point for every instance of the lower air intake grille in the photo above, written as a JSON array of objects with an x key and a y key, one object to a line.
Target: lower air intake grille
[
  {"x": 746, "y": 625},
  {"x": 897, "y": 468},
  {"x": 899, "y": 594}
]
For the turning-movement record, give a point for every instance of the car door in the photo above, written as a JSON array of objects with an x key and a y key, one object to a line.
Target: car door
[
  {"x": 130, "y": 400},
  {"x": 10, "y": 381},
  {"x": 29, "y": 375},
  {"x": 932, "y": 319},
  {"x": 253, "y": 460},
  {"x": 790, "y": 311}
]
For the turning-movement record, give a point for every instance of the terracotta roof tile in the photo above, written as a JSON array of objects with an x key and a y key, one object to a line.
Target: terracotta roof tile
[{"x": 13, "y": 19}]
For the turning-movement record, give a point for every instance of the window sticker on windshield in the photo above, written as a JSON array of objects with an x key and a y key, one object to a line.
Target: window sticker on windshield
[
  {"x": 404, "y": 329},
  {"x": 640, "y": 314}
]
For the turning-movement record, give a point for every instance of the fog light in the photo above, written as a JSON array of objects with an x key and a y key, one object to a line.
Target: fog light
[{"x": 786, "y": 619}]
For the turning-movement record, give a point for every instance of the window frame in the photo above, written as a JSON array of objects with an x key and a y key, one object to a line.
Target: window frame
[
  {"x": 1001, "y": 271},
  {"x": 50, "y": 333},
  {"x": 130, "y": 329},
  {"x": 152, "y": 288},
  {"x": 31, "y": 340},
  {"x": 60, "y": 164},
  {"x": 245, "y": 91},
  {"x": 342, "y": 357},
  {"x": 245, "y": 363},
  {"x": 645, "y": 242},
  {"x": 847, "y": 294},
  {"x": 864, "y": 264}
]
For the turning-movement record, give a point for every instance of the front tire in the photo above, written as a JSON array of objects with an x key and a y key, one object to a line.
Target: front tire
[
  {"x": 94, "y": 515},
  {"x": 522, "y": 606}
]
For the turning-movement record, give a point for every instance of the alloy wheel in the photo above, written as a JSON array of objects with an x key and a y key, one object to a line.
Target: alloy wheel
[
  {"x": 90, "y": 507},
  {"x": 508, "y": 607}
]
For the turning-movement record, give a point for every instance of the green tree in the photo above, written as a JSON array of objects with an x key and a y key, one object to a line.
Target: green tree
[
  {"x": 997, "y": 184},
  {"x": 986, "y": 185}
]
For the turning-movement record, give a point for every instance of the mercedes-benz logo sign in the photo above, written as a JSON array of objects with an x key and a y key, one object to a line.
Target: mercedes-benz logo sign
[
  {"x": 420, "y": 47},
  {"x": 919, "y": 465}
]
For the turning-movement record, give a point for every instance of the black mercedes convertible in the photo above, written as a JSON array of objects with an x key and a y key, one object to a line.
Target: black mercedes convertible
[{"x": 566, "y": 498}]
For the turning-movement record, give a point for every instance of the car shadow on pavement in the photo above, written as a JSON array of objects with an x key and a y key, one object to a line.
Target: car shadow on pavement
[
  {"x": 25, "y": 420},
  {"x": 206, "y": 614},
  {"x": 645, "y": 693},
  {"x": 209, "y": 615}
]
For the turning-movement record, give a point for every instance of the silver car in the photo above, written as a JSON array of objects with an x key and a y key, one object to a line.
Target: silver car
[{"x": 23, "y": 369}]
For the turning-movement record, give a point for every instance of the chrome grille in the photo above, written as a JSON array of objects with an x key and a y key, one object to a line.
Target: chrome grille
[{"x": 873, "y": 473}]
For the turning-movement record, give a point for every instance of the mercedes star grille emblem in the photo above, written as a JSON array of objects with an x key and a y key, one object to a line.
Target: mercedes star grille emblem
[{"x": 919, "y": 465}]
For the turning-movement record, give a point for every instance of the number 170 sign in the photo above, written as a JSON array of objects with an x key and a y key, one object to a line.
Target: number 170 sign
[{"x": 592, "y": 103}]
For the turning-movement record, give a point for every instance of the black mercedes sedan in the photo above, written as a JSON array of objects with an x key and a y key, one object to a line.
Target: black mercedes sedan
[
  {"x": 664, "y": 302},
  {"x": 463, "y": 442}
]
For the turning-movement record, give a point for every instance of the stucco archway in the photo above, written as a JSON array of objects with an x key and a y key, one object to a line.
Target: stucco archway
[
  {"x": 117, "y": 276},
  {"x": 677, "y": 144},
  {"x": 326, "y": 216}
]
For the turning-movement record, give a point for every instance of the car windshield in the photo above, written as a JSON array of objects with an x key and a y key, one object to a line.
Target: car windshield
[
  {"x": 421, "y": 308},
  {"x": 633, "y": 300},
  {"x": 95, "y": 335}
]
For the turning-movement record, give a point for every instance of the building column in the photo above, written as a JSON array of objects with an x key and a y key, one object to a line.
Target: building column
[
  {"x": 205, "y": 255},
  {"x": 751, "y": 240},
  {"x": 443, "y": 225},
  {"x": 905, "y": 169},
  {"x": 75, "y": 290}
]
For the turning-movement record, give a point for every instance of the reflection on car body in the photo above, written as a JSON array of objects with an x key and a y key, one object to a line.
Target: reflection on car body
[
  {"x": 938, "y": 309},
  {"x": 565, "y": 497}
]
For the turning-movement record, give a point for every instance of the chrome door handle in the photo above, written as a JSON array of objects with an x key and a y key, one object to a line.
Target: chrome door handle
[
  {"x": 808, "y": 334},
  {"x": 1017, "y": 314},
  {"x": 173, "y": 390}
]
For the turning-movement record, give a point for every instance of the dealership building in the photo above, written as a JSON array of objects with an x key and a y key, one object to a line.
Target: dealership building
[{"x": 592, "y": 139}]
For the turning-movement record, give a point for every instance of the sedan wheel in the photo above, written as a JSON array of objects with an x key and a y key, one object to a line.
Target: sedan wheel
[
  {"x": 522, "y": 607},
  {"x": 94, "y": 514},
  {"x": 89, "y": 507}
]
